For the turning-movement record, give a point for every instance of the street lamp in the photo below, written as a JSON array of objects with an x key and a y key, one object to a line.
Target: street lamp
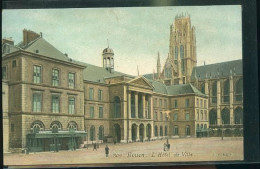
[{"x": 222, "y": 130}]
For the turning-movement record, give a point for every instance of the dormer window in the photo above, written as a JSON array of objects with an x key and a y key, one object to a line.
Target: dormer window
[{"x": 36, "y": 51}]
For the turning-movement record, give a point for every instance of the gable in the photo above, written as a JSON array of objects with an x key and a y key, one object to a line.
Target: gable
[{"x": 140, "y": 81}]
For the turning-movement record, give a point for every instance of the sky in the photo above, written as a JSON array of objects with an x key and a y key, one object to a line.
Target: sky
[{"x": 136, "y": 34}]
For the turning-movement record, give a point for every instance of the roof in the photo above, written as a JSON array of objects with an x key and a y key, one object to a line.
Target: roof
[
  {"x": 44, "y": 48},
  {"x": 98, "y": 74},
  {"x": 159, "y": 87},
  {"x": 224, "y": 69},
  {"x": 183, "y": 89},
  {"x": 150, "y": 76}
]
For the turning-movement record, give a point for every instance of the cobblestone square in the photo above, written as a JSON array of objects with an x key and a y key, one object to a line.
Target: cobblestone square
[{"x": 184, "y": 149}]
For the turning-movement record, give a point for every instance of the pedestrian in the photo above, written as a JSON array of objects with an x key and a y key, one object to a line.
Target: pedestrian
[
  {"x": 95, "y": 146},
  {"x": 107, "y": 151}
]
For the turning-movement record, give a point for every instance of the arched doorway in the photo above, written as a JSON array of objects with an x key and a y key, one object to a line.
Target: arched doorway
[
  {"x": 92, "y": 133},
  {"x": 134, "y": 132},
  {"x": 161, "y": 131},
  {"x": 148, "y": 131},
  {"x": 141, "y": 132},
  {"x": 117, "y": 131},
  {"x": 238, "y": 113},
  {"x": 225, "y": 116},
  {"x": 101, "y": 133},
  {"x": 156, "y": 131}
]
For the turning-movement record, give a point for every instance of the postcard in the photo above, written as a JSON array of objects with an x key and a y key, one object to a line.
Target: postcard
[{"x": 122, "y": 85}]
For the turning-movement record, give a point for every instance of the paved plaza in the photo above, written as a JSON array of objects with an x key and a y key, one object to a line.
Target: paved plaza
[{"x": 186, "y": 149}]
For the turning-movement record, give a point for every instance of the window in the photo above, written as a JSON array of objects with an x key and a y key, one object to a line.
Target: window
[
  {"x": 187, "y": 103},
  {"x": 37, "y": 102},
  {"x": 55, "y": 104},
  {"x": 156, "y": 116},
  {"x": 239, "y": 90},
  {"x": 91, "y": 94},
  {"x": 156, "y": 131},
  {"x": 203, "y": 88},
  {"x": 161, "y": 116},
  {"x": 37, "y": 125},
  {"x": 205, "y": 104},
  {"x": 155, "y": 102},
  {"x": 201, "y": 103},
  {"x": 198, "y": 103},
  {"x": 101, "y": 133},
  {"x": 161, "y": 130},
  {"x": 72, "y": 80},
  {"x": 91, "y": 111},
  {"x": 176, "y": 52},
  {"x": 187, "y": 116},
  {"x": 205, "y": 115},
  {"x": 198, "y": 114},
  {"x": 73, "y": 125},
  {"x": 160, "y": 104},
  {"x": 71, "y": 105},
  {"x": 225, "y": 93},
  {"x": 175, "y": 116},
  {"x": 55, "y": 77},
  {"x": 14, "y": 63},
  {"x": 100, "y": 112},
  {"x": 92, "y": 133},
  {"x": 175, "y": 103},
  {"x": 165, "y": 103},
  {"x": 214, "y": 93},
  {"x": 100, "y": 95},
  {"x": 187, "y": 131},
  {"x": 117, "y": 107},
  {"x": 201, "y": 115},
  {"x": 175, "y": 131},
  {"x": 165, "y": 130},
  {"x": 4, "y": 74},
  {"x": 37, "y": 74},
  {"x": 56, "y": 125}
]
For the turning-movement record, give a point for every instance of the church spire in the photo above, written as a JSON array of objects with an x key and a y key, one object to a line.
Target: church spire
[
  {"x": 137, "y": 71},
  {"x": 158, "y": 67},
  {"x": 158, "y": 60}
]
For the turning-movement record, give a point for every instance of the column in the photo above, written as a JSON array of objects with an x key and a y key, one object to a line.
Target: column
[
  {"x": 137, "y": 133},
  {"x": 152, "y": 130},
  {"x": 145, "y": 137},
  {"x": 129, "y": 105},
  {"x": 151, "y": 106},
  {"x": 206, "y": 87},
  {"x": 219, "y": 120},
  {"x": 130, "y": 133},
  {"x": 136, "y": 104},
  {"x": 143, "y": 104},
  {"x": 125, "y": 103},
  {"x": 231, "y": 100}
]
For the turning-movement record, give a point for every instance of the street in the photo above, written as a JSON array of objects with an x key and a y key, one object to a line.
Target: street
[{"x": 184, "y": 149}]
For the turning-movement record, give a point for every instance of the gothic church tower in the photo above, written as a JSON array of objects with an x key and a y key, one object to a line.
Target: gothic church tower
[{"x": 182, "y": 50}]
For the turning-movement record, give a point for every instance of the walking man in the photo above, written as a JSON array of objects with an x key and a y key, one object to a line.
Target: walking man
[
  {"x": 107, "y": 151},
  {"x": 95, "y": 146}
]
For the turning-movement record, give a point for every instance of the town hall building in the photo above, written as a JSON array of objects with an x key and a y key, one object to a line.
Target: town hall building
[{"x": 53, "y": 102}]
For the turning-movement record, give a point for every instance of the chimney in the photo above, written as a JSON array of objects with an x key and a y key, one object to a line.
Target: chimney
[
  {"x": 8, "y": 41},
  {"x": 29, "y": 36}
]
